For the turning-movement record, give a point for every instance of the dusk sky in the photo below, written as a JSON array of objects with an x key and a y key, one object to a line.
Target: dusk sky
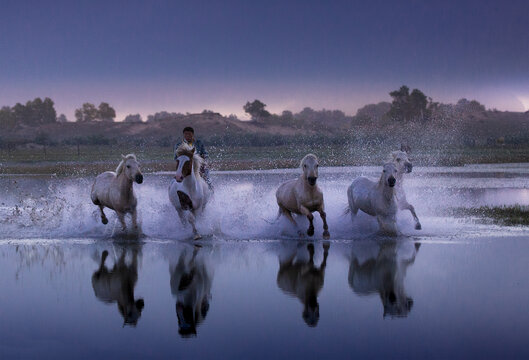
[{"x": 186, "y": 56}]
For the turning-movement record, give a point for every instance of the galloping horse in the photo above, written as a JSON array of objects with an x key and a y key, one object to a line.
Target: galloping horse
[
  {"x": 188, "y": 192},
  {"x": 404, "y": 166},
  {"x": 302, "y": 196},
  {"x": 114, "y": 190},
  {"x": 376, "y": 199}
]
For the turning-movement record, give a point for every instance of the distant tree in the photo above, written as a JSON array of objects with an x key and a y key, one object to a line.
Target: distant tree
[
  {"x": 88, "y": 112},
  {"x": 256, "y": 109},
  {"x": 469, "y": 106},
  {"x": 372, "y": 112},
  {"x": 105, "y": 112},
  {"x": 408, "y": 107},
  {"x": 136, "y": 118},
  {"x": 164, "y": 115},
  {"x": 47, "y": 112},
  {"x": 7, "y": 118},
  {"x": 62, "y": 118},
  {"x": 35, "y": 113},
  {"x": 418, "y": 103},
  {"x": 20, "y": 113},
  {"x": 287, "y": 116},
  {"x": 44, "y": 140}
]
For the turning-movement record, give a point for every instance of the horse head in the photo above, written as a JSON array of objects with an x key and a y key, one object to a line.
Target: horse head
[
  {"x": 309, "y": 166},
  {"x": 131, "y": 168},
  {"x": 401, "y": 161},
  {"x": 388, "y": 175},
  {"x": 184, "y": 164}
]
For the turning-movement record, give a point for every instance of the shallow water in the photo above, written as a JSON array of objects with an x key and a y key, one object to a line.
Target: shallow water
[{"x": 456, "y": 289}]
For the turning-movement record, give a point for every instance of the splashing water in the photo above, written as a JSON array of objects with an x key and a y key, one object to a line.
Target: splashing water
[{"x": 244, "y": 205}]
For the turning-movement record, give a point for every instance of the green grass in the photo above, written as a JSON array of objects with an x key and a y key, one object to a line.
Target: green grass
[
  {"x": 93, "y": 158},
  {"x": 502, "y": 215}
]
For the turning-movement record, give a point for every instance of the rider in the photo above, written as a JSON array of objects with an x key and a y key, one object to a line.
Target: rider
[{"x": 189, "y": 138}]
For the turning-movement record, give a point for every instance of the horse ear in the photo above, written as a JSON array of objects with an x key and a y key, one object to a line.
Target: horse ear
[
  {"x": 123, "y": 157},
  {"x": 193, "y": 150}
]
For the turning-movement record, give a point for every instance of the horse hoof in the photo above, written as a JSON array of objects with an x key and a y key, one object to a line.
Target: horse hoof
[
  {"x": 104, "y": 221},
  {"x": 310, "y": 232},
  {"x": 326, "y": 235},
  {"x": 197, "y": 237},
  {"x": 418, "y": 227}
]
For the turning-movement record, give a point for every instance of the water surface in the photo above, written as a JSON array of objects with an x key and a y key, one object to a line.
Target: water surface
[{"x": 252, "y": 289}]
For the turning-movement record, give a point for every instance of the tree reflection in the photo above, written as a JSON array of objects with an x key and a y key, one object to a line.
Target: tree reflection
[
  {"x": 299, "y": 277},
  {"x": 381, "y": 268},
  {"x": 117, "y": 285},
  {"x": 191, "y": 281}
]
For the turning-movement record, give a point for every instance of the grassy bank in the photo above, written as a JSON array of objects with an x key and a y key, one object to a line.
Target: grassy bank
[
  {"x": 501, "y": 215},
  {"x": 94, "y": 158}
]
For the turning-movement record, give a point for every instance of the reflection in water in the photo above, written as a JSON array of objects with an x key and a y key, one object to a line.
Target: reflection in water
[
  {"x": 191, "y": 281},
  {"x": 117, "y": 285},
  {"x": 299, "y": 277},
  {"x": 381, "y": 268}
]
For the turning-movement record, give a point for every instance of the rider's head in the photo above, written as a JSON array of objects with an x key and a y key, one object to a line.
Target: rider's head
[{"x": 189, "y": 133}]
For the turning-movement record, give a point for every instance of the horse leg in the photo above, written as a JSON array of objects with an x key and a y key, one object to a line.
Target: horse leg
[
  {"x": 410, "y": 207},
  {"x": 191, "y": 219},
  {"x": 104, "y": 219},
  {"x": 308, "y": 214},
  {"x": 182, "y": 217},
  {"x": 121, "y": 217},
  {"x": 387, "y": 225},
  {"x": 323, "y": 215},
  {"x": 134, "y": 215}
]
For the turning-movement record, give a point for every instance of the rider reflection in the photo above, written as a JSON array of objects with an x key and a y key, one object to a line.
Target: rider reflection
[{"x": 191, "y": 285}]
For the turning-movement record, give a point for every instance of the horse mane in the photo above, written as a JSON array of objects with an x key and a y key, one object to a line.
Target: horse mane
[
  {"x": 187, "y": 150},
  {"x": 393, "y": 155},
  {"x": 306, "y": 157},
  {"x": 119, "y": 169}
]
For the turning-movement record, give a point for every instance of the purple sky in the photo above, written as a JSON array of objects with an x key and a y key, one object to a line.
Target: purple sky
[{"x": 186, "y": 56}]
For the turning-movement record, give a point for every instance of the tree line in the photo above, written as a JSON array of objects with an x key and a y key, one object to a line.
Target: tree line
[{"x": 406, "y": 106}]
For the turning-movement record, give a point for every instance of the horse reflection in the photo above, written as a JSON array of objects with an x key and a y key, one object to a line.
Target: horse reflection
[
  {"x": 381, "y": 269},
  {"x": 117, "y": 285},
  {"x": 301, "y": 278},
  {"x": 191, "y": 285}
]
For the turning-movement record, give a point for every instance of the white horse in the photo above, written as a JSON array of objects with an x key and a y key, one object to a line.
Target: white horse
[
  {"x": 404, "y": 166},
  {"x": 302, "y": 196},
  {"x": 114, "y": 190},
  {"x": 188, "y": 192},
  {"x": 376, "y": 199}
]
